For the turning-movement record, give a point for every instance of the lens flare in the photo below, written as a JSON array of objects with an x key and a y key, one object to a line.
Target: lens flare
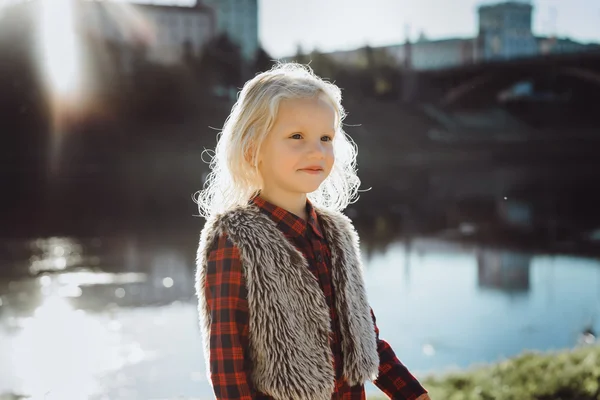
[{"x": 59, "y": 46}]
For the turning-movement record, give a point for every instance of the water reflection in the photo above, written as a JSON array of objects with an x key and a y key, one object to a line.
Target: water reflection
[
  {"x": 443, "y": 314},
  {"x": 59, "y": 349},
  {"x": 54, "y": 254},
  {"x": 72, "y": 331},
  {"x": 503, "y": 270},
  {"x": 117, "y": 319}
]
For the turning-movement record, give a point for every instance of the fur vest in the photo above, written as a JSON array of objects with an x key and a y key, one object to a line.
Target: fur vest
[{"x": 289, "y": 321}]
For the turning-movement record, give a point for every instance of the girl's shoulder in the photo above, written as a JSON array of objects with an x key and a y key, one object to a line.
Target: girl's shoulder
[
  {"x": 335, "y": 221},
  {"x": 231, "y": 226},
  {"x": 241, "y": 216}
]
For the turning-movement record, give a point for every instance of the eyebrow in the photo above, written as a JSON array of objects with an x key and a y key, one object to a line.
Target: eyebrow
[{"x": 294, "y": 128}]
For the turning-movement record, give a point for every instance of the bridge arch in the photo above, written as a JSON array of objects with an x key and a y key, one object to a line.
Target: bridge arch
[{"x": 484, "y": 80}]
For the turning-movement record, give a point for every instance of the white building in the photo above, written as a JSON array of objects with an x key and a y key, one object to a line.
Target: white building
[
  {"x": 434, "y": 54},
  {"x": 239, "y": 20},
  {"x": 165, "y": 30},
  {"x": 505, "y": 30},
  {"x": 421, "y": 55}
]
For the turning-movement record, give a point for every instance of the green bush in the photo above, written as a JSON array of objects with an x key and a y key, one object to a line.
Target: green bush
[{"x": 565, "y": 375}]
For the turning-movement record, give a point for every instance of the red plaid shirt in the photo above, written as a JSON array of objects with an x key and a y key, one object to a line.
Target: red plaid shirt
[{"x": 227, "y": 299}]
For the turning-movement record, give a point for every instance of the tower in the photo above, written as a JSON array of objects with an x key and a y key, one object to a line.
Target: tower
[
  {"x": 505, "y": 30},
  {"x": 239, "y": 20}
]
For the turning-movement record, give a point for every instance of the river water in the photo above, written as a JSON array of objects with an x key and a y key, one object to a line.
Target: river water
[{"x": 115, "y": 317}]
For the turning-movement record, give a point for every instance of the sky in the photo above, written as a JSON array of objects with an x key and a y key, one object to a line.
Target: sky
[{"x": 329, "y": 25}]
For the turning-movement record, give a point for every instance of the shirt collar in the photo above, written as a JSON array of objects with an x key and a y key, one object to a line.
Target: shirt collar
[{"x": 288, "y": 222}]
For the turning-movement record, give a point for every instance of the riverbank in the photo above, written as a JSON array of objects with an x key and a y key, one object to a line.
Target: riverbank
[{"x": 564, "y": 375}]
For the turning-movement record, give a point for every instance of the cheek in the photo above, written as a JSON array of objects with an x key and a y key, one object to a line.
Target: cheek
[
  {"x": 282, "y": 157},
  {"x": 288, "y": 151},
  {"x": 330, "y": 156}
]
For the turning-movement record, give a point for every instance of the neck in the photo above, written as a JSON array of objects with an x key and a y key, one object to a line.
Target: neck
[{"x": 292, "y": 202}]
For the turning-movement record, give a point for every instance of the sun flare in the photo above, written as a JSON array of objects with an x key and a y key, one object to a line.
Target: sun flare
[{"x": 59, "y": 46}]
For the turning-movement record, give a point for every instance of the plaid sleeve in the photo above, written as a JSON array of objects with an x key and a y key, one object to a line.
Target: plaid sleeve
[
  {"x": 227, "y": 300},
  {"x": 394, "y": 379}
]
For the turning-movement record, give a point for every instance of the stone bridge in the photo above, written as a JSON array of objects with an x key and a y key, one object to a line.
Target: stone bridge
[{"x": 570, "y": 77}]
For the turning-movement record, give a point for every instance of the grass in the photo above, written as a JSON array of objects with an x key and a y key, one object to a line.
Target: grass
[{"x": 565, "y": 375}]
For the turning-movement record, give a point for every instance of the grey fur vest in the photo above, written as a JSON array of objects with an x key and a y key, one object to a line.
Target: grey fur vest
[{"x": 289, "y": 320}]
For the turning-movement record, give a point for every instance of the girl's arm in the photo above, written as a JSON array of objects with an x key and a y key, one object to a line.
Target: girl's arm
[
  {"x": 394, "y": 379},
  {"x": 227, "y": 300}
]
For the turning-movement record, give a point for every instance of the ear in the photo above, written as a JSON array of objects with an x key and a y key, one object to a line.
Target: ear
[{"x": 250, "y": 153}]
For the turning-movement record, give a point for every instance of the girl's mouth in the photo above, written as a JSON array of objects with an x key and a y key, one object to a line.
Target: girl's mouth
[{"x": 312, "y": 170}]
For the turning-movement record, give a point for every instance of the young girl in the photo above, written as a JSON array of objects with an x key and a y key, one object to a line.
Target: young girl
[{"x": 281, "y": 297}]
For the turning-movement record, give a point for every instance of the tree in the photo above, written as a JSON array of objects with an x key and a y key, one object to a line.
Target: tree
[
  {"x": 224, "y": 58},
  {"x": 262, "y": 61},
  {"x": 370, "y": 57},
  {"x": 300, "y": 56},
  {"x": 323, "y": 65}
]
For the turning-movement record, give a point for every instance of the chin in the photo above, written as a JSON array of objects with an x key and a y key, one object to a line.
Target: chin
[
  {"x": 306, "y": 185},
  {"x": 304, "y": 188},
  {"x": 310, "y": 189}
]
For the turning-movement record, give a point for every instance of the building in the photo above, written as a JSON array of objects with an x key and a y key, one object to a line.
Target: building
[
  {"x": 166, "y": 31},
  {"x": 434, "y": 54},
  {"x": 421, "y": 55},
  {"x": 552, "y": 45},
  {"x": 505, "y": 30},
  {"x": 239, "y": 20}
]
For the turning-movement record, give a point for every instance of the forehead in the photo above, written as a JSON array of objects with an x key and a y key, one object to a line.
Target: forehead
[{"x": 313, "y": 110}]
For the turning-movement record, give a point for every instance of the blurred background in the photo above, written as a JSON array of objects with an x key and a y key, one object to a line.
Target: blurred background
[{"x": 478, "y": 129}]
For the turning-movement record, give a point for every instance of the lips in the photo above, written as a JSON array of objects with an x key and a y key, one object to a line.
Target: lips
[{"x": 312, "y": 168}]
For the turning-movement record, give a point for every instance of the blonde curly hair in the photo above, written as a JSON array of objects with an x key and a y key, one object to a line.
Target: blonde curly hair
[{"x": 234, "y": 177}]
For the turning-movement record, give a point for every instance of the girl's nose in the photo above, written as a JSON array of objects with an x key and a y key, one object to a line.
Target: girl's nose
[{"x": 317, "y": 149}]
